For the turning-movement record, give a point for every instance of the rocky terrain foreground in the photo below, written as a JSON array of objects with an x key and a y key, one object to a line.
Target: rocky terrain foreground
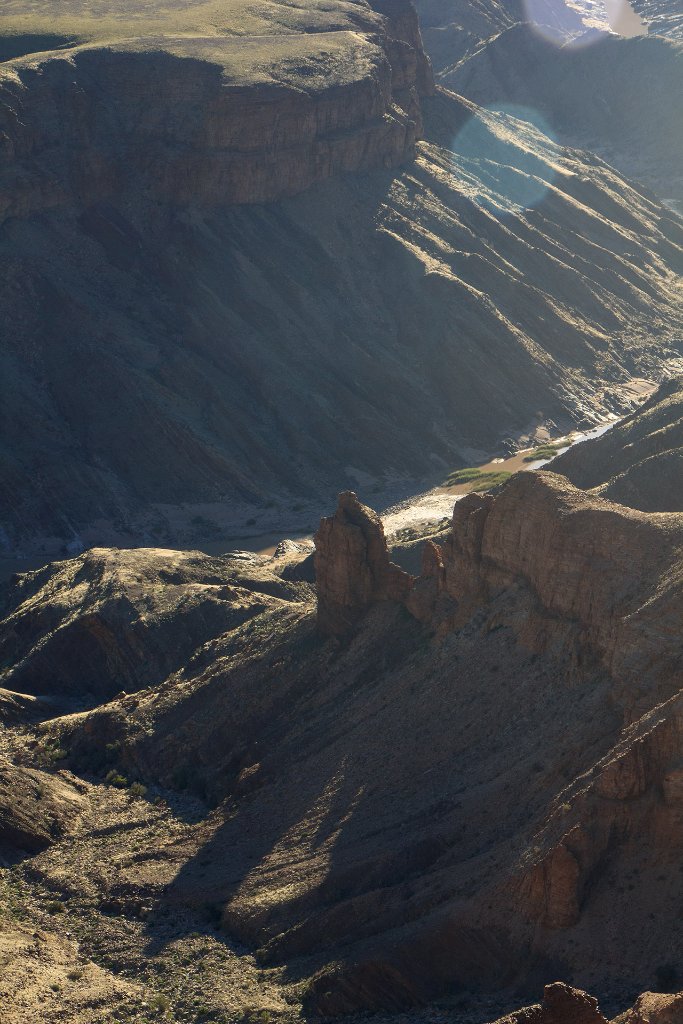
[
  {"x": 253, "y": 254},
  {"x": 257, "y": 798}
]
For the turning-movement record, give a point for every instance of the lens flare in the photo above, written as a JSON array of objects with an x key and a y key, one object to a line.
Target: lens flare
[
  {"x": 578, "y": 23},
  {"x": 505, "y": 158}
]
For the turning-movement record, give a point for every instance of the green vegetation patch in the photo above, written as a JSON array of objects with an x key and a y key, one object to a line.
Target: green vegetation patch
[
  {"x": 484, "y": 478},
  {"x": 544, "y": 451}
]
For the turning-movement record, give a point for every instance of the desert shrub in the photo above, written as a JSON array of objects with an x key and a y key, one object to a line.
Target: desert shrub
[
  {"x": 160, "y": 1003},
  {"x": 137, "y": 790},
  {"x": 114, "y": 778},
  {"x": 544, "y": 451}
]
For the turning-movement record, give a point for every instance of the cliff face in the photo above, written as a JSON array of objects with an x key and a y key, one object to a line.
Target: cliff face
[
  {"x": 233, "y": 121},
  {"x": 352, "y": 566}
]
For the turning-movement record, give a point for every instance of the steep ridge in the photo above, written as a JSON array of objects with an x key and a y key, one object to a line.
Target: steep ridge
[
  {"x": 662, "y": 17},
  {"x": 640, "y": 461},
  {"x": 537, "y": 661},
  {"x": 453, "y": 30}
]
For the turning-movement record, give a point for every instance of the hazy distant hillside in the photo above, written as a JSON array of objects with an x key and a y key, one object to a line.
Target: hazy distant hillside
[{"x": 603, "y": 96}]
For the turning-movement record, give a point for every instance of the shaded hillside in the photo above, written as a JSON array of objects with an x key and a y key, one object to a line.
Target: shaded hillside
[
  {"x": 258, "y": 286},
  {"x": 221, "y": 358},
  {"x": 453, "y": 29},
  {"x": 639, "y": 462}
]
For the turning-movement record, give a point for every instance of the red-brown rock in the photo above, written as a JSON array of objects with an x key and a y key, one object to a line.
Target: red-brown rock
[{"x": 352, "y": 566}]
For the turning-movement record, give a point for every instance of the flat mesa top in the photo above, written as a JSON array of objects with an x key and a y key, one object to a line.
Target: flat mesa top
[
  {"x": 89, "y": 21},
  {"x": 300, "y": 43}
]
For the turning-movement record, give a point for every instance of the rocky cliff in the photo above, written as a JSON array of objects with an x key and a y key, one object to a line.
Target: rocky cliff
[
  {"x": 352, "y": 566},
  {"x": 448, "y": 792},
  {"x": 234, "y": 119}
]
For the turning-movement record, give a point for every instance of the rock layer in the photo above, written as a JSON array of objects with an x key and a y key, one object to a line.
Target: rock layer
[
  {"x": 222, "y": 134},
  {"x": 352, "y": 566}
]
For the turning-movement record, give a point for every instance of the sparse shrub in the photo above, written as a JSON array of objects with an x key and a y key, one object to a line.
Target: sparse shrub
[
  {"x": 55, "y": 907},
  {"x": 75, "y": 975},
  {"x": 160, "y": 1003},
  {"x": 51, "y": 752},
  {"x": 543, "y": 452},
  {"x": 137, "y": 790},
  {"x": 114, "y": 778}
]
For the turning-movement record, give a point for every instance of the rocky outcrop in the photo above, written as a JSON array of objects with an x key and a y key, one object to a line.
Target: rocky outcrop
[
  {"x": 36, "y": 809},
  {"x": 352, "y": 566},
  {"x": 543, "y": 538},
  {"x": 112, "y": 620},
  {"x": 561, "y": 1004},
  {"x": 655, "y": 1008}
]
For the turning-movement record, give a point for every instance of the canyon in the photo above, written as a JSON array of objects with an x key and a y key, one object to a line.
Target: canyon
[
  {"x": 290, "y": 822},
  {"x": 164, "y": 382},
  {"x": 262, "y": 261}
]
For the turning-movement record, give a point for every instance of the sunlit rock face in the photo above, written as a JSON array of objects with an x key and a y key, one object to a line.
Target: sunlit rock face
[
  {"x": 352, "y": 566},
  {"x": 662, "y": 17},
  {"x": 452, "y": 791}
]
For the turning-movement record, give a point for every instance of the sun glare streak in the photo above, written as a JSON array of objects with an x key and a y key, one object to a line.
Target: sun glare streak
[
  {"x": 580, "y": 23},
  {"x": 504, "y": 153}
]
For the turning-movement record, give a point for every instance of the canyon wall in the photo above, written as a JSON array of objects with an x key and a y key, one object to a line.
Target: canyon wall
[{"x": 216, "y": 121}]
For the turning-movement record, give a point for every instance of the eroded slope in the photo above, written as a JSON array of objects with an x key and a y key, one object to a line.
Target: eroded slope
[{"x": 639, "y": 462}]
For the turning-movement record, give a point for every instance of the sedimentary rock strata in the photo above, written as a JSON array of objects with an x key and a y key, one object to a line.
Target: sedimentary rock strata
[{"x": 352, "y": 566}]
